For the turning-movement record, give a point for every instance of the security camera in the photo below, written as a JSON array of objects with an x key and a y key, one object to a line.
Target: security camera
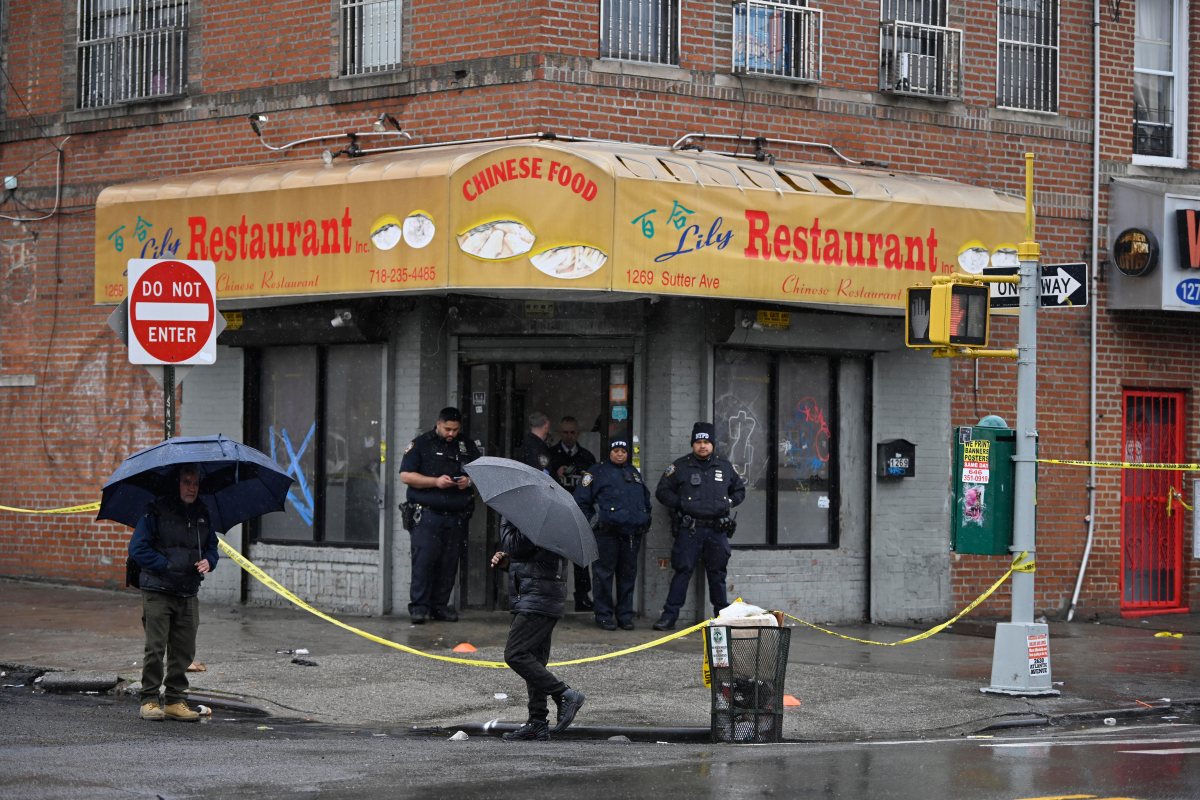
[{"x": 341, "y": 319}]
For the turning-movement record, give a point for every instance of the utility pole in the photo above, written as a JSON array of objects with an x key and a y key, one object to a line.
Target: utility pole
[{"x": 1021, "y": 654}]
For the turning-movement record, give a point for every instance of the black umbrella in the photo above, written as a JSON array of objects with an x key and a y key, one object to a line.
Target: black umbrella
[
  {"x": 530, "y": 499},
  {"x": 237, "y": 482}
]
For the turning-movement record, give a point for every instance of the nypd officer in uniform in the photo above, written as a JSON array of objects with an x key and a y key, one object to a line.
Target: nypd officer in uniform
[
  {"x": 701, "y": 489},
  {"x": 440, "y": 502},
  {"x": 568, "y": 460},
  {"x": 534, "y": 450},
  {"x": 616, "y": 489}
]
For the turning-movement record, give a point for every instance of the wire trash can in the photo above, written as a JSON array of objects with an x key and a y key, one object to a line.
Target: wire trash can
[{"x": 748, "y": 665}]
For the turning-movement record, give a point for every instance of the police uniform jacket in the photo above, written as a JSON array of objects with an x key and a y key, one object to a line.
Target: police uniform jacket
[
  {"x": 537, "y": 578},
  {"x": 168, "y": 541},
  {"x": 705, "y": 490},
  {"x": 617, "y": 494},
  {"x": 431, "y": 455},
  {"x": 575, "y": 463},
  {"x": 535, "y": 453}
]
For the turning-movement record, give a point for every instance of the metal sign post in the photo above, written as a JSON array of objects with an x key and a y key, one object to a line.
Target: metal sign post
[{"x": 1021, "y": 654}]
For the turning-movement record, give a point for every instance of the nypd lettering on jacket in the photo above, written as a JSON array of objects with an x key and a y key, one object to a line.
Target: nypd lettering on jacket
[{"x": 705, "y": 489}]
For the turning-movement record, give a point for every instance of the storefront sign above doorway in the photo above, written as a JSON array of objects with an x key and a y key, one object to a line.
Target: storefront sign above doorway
[{"x": 558, "y": 215}]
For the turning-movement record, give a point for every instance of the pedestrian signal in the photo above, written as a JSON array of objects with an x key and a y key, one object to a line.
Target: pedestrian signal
[
  {"x": 948, "y": 314},
  {"x": 916, "y": 317},
  {"x": 959, "y": 314}
]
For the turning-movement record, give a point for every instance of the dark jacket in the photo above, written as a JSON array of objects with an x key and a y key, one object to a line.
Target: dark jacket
[
  {"x": 618, "y": 495},
  {"x": 168, "y": 541},
  {"x": 535, "y": 453},
  {"x": 705, "y": 490},
  {"x": 537, "y": 578},
  {"x": 575, "y": 464},
  {"x": 430, "y": 455}
]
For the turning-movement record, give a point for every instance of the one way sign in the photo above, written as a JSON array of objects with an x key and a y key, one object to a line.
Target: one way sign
[{"x": 1062, "y": 285}]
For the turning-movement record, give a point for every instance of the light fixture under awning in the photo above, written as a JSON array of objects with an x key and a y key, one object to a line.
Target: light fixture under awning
[{"x": 557, "y": 215}]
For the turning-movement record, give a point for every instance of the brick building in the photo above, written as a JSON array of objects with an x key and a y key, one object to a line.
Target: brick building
[{"x": 638, "y": 212}]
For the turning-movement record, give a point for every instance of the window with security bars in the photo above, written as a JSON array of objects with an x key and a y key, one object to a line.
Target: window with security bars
[
  {"x": 371, "y": 35},
  {"x": 1027, "y": 57},
  {"x": 918, "y": 53},
  {"x": 640, "y": 30},
  {"x": 1159, "y": 82},
  {"x": 777, "y": 39},
  {"x": 130, "y": 51}
]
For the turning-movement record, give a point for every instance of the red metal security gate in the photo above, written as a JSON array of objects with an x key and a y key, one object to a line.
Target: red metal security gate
[{"x": 1151, "y": 510}]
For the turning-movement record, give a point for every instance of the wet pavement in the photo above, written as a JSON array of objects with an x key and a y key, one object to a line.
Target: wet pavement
[{"x": 847, "y": 690}]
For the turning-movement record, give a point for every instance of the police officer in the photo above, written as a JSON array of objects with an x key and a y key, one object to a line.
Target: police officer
[
  {"x": 534, "y": 450},
  {"x": 440, "y": 502},
  {"x": 700, "y": 489},
  {"x": 615, "y": 487},
  {"x": 568, "y": 460}
]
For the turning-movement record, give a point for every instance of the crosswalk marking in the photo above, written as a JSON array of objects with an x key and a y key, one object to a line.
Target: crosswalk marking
[{"x": 1172, "y": 752}]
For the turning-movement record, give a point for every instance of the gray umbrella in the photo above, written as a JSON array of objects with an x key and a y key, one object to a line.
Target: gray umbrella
[{"x": 530, "y": 499}]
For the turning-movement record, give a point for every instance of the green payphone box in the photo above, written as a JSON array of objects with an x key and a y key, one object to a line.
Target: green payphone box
[{"x": 982, "y": 518}]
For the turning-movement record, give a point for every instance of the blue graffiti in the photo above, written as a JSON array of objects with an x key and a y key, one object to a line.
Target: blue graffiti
[{"x": 304, "y": 503}]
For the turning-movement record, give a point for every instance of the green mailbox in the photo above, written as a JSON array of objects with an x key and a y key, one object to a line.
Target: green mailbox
[{"x": 983, "y": 490}]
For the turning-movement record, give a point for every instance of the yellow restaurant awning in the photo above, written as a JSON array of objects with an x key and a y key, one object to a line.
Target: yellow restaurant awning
[{"x": 558, "y": 215}]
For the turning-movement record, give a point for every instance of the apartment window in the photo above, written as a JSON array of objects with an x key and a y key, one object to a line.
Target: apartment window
[
  {"x": 777, "y": 40},
  {"x": 918, "y": 54},
  {"x": 1160, "y": 82},
  {"x": 320, "y": 416},
  {"x": 131, "y": 50},
  {"x": 370, "y": 36},
  {"x": 640, "y": 30},
  {"x": 776, "y": 422},
  {"x": 1027, "y": 60}
]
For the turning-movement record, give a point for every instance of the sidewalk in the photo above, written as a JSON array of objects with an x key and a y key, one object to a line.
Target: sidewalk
[{"x": 847, "y": 690}]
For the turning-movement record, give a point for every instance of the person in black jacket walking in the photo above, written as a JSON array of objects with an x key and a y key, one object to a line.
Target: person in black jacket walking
[
  {"x": 175, "y": 546},
  {"x": 613, "y": 490},
  {"x": 701, "y": 490},
  {"x": 537, "y": 591}
]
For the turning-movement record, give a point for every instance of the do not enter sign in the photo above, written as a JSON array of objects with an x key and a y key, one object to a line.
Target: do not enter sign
[{"x": 172, "y": 310}]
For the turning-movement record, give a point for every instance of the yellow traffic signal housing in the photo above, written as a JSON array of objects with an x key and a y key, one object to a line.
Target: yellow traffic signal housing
[
  {"x": 948, "y": 314},
  {"x": 958, "y": 314}
]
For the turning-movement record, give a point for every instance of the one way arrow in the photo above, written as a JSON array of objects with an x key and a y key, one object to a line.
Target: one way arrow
[{"x": 1062, "y": 285}]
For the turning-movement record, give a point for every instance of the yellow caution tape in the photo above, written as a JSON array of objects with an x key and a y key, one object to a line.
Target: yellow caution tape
[
  {"x": 89, "y": 507},
  {"x": 1022, "y": 563},
  {"x": 1173, "y": 496},
  {"x": 1121, "y": 465},
  {"x": 283, "y": 592}
]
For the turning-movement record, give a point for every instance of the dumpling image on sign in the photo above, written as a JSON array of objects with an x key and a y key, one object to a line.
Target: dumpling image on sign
[
  {"x": 418, "y": 230},
  {"x": 494, "y": 241},
  {"x": 1006, "y": 256},
  {"x": 973, "y": 257},
  {"x": 386, "y": 232},
  {"x": 569, "y": 261}
]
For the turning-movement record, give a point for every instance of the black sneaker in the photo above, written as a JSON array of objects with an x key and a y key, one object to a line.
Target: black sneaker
[
  {"x": 569, "y": 703},
  {"x": 626, "y": 624},
  {"x": 446, "y": 615},
  {"x": 418, "y": 617},
  {"x": 537, "y": 730},
  {"x": 583, "y": 604},
  {"x": 606, "y": 624},
  {"x": 665, "y": 623}
]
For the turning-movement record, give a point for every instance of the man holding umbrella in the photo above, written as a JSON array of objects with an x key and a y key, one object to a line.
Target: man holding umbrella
[{"x": 175, "y": 546}]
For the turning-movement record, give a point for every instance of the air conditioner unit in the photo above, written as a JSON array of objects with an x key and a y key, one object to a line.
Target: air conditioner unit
[{"x": 916, "y": 73}]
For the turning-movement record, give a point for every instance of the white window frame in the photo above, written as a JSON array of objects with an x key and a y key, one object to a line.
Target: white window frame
[
  {"x": 627, "y": 26},
  {"x": 1179, "y": 53},
  {"x": 777, "y": 39},
  {"x": 1054, "y": 48},
  {"x": 371, "y": 33}
]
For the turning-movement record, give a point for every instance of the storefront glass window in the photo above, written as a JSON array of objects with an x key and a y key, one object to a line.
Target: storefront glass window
[
  {"x": 320, "y": 416},
  {"x": 776, "y": 424}
]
